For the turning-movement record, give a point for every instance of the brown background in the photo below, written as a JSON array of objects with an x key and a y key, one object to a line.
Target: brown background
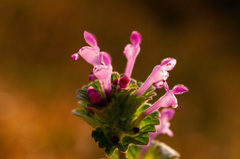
[{"x": 38, "y": 79}]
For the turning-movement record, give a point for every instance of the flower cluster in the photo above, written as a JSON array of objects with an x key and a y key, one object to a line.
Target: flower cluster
[{"x": 116, "y": 105}]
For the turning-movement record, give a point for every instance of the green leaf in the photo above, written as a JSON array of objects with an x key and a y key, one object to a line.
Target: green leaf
[
  {"x": 86, "y": 116},
  {"x": 141, "y": 139}
]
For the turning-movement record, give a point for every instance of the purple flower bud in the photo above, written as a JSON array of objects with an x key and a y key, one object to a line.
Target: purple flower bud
[
  {"x": 123, "y": 82},
  {"x": 94, "y": 96}
]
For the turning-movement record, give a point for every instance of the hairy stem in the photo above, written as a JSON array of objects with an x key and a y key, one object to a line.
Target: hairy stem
[{"x": 122, "y": 155}]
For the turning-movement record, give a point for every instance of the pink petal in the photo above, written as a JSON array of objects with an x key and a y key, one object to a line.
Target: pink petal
[
  {"x": 75, "y": 56},
  {"x": 128, "y": 51},
  {"x": 102, "y": 72},
  {"x": 135, "y": 38},
  {"x": 91, "y": 55},
  {"x": 179, "y": 89},
  {"x": 168, "y": 64},
  {"x": 167, "y": 113},
  {"x": 90, "y": 39},
  {"x": 105, "y": 58}
]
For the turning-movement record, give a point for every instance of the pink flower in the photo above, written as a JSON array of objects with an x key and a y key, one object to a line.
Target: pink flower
[
  {"x": 158, "y": 75},
  {"x": 168, "y": 99},
  {"x": 131, "y": 52},
  {"x": 101, "y": 62},
  {"x": 163, "y": 128}
]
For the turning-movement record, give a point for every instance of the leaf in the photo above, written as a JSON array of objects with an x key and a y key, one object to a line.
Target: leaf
[
  {"x": 150, "y": 92},
  {"x": 86, "y": 116},
  {"x": 141, "y": 139}
]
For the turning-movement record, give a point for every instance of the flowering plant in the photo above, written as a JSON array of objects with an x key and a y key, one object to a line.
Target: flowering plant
[{"x": 117, "y": 106}]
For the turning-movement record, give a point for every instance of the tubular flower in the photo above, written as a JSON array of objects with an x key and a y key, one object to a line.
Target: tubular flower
[
  {"x": 168, "y": 99},
  {"x": 116, "y": 105},
  {"x": 159, "y": 74},
  {"x": 101, "y": 62},
  {"x": 131, "y": 52}
]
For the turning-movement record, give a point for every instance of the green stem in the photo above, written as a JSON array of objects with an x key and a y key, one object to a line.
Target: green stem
[{"x": 122, "y": 155}]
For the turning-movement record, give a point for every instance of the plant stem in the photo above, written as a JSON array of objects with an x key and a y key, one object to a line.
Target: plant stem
[{"x": 122, "y": 155}]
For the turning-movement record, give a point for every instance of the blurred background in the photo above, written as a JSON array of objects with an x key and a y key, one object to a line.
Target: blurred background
[{"x": 38, "y": 79}]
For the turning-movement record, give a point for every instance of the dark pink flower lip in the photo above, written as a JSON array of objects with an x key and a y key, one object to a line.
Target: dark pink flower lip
[
  {"x": 91, "y": 77},
  {"x": 123, "y": 82}
]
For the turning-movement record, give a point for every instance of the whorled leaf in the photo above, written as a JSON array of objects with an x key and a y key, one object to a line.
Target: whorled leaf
[{"x": 115, "y": 121}]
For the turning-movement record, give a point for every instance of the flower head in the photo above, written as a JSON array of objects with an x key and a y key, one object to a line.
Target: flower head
[{"x": 116, "y": 104}]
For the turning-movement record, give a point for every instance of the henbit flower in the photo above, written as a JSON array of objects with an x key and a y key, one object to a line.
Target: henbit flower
[
  {"x": 103, "y": 73},
  {"x": 89, "y": 53},
  {"x": 123, "y": 82},
  {"x": 168, "y": 99},
  {"x": 163, "y": 128},
  {"x": 158, "y": 74},
  {"x": 131, "y": 52},
  {"x": 101, "y": 62}
]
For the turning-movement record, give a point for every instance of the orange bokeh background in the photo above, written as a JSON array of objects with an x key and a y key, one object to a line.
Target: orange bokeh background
[{"x": 38, "y": 79}]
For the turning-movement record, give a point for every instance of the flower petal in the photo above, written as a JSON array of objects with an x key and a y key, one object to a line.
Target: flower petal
[
  {"x": 135, "y": 38},
  {"x": 102, "y": 72},
  {"x": 91, "y": 55},
  {"x": 105, "y": 58},
  {"x": 90, "y": 39},
  {"x": 167, "y": 113},
  {"x": 128, "y": 51},
  {"x": 168, "y": 64},
  {"x": 179, "y": 89},
  {"x": 168, "y": 99}
]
